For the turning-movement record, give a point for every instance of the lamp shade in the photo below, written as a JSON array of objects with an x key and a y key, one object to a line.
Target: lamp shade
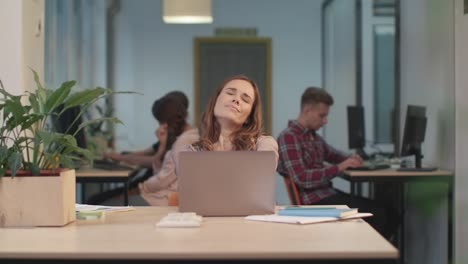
[{"x": 187, "y": 11}]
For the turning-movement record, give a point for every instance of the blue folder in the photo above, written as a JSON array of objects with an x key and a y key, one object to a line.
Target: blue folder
[{"x": 318, "y": 212}]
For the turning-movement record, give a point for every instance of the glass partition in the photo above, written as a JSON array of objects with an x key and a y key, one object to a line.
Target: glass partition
[{"x": 359, "y": 61}]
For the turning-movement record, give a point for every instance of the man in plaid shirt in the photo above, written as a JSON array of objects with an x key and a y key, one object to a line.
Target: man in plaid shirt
[{"x": 302, "y": 156}]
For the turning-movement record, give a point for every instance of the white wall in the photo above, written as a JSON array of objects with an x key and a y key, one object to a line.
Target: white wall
[
  {"x": 154, "y": 58},
  {"x": 10, "y": 50},
  {"x": 461, "y": 128},
  {"x": 32, "y": 41},
  {"x": 427, "y": 78},
  {"x": 22, "y": 45}
]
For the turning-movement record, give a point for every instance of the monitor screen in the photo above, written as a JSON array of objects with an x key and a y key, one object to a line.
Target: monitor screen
[
  {"x": 356, "y": 130},
  {"x": 356, "y": 127},
  {"x": 65, "y": 124},
  {"x": 414, "y": 132}
]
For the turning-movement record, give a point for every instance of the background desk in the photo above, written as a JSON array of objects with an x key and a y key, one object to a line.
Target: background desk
[
  {"x": 403, "y": 177},
  {"x": 133, "y": 236},
  {"x": 86, "y": 175}
]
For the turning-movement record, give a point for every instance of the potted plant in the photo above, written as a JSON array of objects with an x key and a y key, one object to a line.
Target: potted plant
[{"x": 37, "y": 177}]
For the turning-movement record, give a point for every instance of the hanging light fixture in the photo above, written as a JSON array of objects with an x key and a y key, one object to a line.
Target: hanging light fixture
[{"x": 187, "y": 12}]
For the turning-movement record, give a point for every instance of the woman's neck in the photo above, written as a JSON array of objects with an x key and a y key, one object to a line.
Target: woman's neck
[{"x": 224, "y": 141}]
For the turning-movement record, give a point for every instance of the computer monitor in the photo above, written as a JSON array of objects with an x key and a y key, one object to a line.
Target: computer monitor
[
  {"x": 414, "y": 133},
  {"x": 66, "y": 124},
  {"x": 356, "y": 130}
]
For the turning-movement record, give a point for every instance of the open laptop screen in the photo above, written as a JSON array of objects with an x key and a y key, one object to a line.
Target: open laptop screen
[{"x": 227, "y": 183}]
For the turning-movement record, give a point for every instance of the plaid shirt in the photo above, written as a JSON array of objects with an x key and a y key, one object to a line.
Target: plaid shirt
[{"x": 302, "y": 154}]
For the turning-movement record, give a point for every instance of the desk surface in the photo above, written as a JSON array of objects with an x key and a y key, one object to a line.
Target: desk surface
[
  {"x": 98, "y": 173},
  {"x": 395, "y": 173},
  {"x": 133, "y": 235}
]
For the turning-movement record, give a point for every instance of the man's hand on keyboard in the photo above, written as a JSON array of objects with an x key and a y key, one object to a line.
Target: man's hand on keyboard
[
  {"x": 359, "y": 158},
  {"x": 350, "y": 162}
]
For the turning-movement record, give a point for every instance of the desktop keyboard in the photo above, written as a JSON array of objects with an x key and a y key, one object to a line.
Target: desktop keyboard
[
  {"x": 371, "y": 167},
  {"x": 178, "y": 219},
  {"x": 110, "y": 165}
]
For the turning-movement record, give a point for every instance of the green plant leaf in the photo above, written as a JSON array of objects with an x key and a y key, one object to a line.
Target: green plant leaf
[
  {"x": 68, "y": 140},
  {"x": 58, "y": 96},
  {"x": 113, "y": 120},
  {"x": 3, "y": 153},
  {"x": 36, "y": 79},
  {"x": 84, "y": 97},
  {"x": 14, "y": 162},
  {"x": 50, "y": 161},
  {"x": 4, "y": 91},
  {"x": 33, "y": 119},
  {"x": 35, "y": 149},
  {"x": 21, "y": 140},
  {"x": 34, "y": 168},
  {"x": 14, "y": 112},
  {"x": 67, "y": 162},
  {"x": 41, "y": 93},
  {"x": 33, "y": 101},
  {"x": 110, "y": 91},
  {"x": 2, "y": 172}
]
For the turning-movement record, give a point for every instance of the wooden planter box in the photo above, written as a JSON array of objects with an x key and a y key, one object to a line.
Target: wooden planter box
[{"x": 37, "y": 200}]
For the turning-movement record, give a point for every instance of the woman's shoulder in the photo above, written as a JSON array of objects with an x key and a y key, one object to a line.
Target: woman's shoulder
[
  {"x": 188, "y": 137},
  {"x": 267, "y": 143},
  {"x": 185, "y": 148},
  {"x": 265, "y": 138},
  {"x": 190, "y": 133},
  {"x": 176, "y": 153}
]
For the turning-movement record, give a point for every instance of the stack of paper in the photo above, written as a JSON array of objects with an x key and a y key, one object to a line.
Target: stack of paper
[
  {"x": 101, "y": 208},
  {"x": 310, "y": 215},
  {"x": 97, "y": 212}
]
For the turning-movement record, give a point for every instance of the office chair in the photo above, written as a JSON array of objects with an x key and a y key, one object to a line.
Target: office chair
[{"x": 292, "y": 190}]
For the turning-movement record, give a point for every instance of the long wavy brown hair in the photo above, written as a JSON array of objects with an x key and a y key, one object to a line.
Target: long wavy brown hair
[{"x": 246, "y": 136}]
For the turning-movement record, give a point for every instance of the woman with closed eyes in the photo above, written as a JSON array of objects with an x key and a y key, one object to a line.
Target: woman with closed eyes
[{"x": 232, "y": 120}]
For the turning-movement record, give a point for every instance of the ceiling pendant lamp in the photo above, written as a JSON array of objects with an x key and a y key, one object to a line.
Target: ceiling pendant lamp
[{"x": 187, "y": 12}]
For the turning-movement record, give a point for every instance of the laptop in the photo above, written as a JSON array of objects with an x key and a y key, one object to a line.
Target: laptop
[{"x": 227, "y": 183}]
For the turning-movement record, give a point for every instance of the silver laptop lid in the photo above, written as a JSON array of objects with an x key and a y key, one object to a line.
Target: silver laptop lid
[{"x": 227, "y": 183}]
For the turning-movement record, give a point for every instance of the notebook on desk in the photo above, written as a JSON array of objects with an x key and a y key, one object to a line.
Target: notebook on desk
[{"x": 227, "y": 183}]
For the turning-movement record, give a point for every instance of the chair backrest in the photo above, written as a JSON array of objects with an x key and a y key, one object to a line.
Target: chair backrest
[{"x": 292, "y": 190}]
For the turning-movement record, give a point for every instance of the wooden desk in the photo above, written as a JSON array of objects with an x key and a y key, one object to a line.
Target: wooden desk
[
  {"x": 393, "y": 174},
  {"x": 403, "y": 177},
  {"x": 86, "y": 175},
  {"x": 133, "y": 236}
]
